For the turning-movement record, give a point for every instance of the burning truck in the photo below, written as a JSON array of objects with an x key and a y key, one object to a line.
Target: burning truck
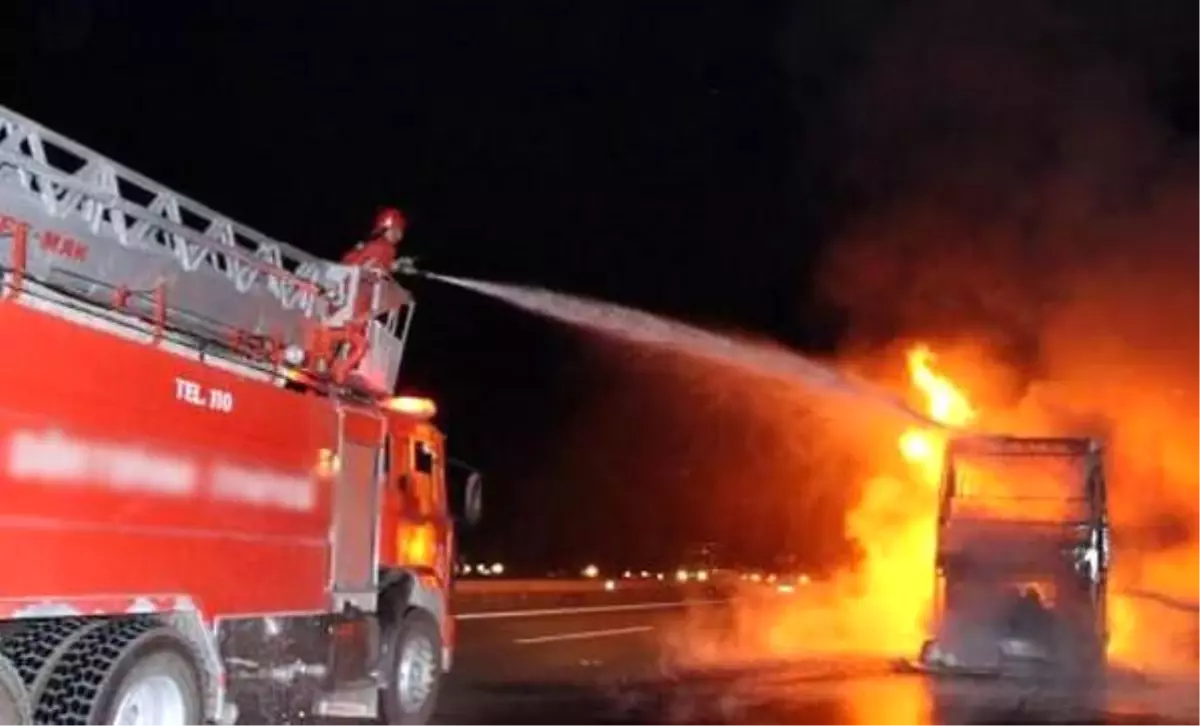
[{"x": 1022, "y": 558}]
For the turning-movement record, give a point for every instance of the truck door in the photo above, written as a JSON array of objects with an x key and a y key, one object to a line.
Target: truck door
[
  {"x": 354, "y": 573},
  {"x": 423, "y": 520},
  {"x": 425, "y": 479}
]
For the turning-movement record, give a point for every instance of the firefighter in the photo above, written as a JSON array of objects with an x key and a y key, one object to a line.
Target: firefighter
[
  {"x": 378, "y": 252},
  {"x": 377, "y": 256}
]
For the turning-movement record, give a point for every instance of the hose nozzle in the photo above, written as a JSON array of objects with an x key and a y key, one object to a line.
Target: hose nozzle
[{"x": 407, "y": 266}]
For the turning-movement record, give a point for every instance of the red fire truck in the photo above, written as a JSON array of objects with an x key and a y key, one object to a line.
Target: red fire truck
[{"x": 196, "y": 516}]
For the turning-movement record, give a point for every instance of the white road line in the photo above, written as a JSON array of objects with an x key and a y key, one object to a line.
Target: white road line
[
  {"x": 502, "y": 614},
  {"x": 584, "y": 635}
]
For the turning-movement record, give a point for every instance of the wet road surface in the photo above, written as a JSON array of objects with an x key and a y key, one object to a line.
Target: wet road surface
[{"x": 619, "y": 666}]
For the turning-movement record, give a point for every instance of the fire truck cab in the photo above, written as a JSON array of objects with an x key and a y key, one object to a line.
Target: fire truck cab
[
  {"x": 199, "y": 518},
  {"x": 1022, "y": 558}
]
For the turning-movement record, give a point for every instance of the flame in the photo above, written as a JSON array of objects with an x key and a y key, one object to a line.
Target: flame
[
  {"x": 944, "y": 402},
  {"x": 883, "y": 605},
  {"x": 895, "y": 521},
  {"x": 910, "y": 551}
]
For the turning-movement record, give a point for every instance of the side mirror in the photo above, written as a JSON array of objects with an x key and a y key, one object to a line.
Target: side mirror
[
  {"x": 472, "y": 510},
  {"x": 466, "y": 495}
]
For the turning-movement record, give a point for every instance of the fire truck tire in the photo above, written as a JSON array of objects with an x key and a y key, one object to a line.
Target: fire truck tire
[
  {"x": 412, "y": 669},
  {"x": 15, "y": 706},
  {"x": 35, "y": 649},
  {"x": 130, "y": 670}
]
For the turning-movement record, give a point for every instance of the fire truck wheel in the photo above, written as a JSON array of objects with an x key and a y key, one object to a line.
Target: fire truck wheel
[
  {"x": 412, "y": 669},
  {"x": 129, "y": 671},
  {"x": 36, "y": 647},
  {"x": 15, "y": 707}
]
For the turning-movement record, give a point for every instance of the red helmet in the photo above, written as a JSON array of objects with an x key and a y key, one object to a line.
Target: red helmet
[{"x": 389, "y": 218}]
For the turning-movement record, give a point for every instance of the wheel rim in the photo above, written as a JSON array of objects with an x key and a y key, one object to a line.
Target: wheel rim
[
  {"x": 416, "y": 674},
  {"x": 152, "y": 701}
]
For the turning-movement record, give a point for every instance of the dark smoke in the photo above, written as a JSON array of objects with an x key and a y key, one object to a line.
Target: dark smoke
[
  {"x": 1024, "y": 172},
  {"x": 995, "y": 151}
]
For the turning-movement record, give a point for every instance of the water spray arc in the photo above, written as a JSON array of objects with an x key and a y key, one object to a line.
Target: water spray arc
[{"x": 636, "y": 326}]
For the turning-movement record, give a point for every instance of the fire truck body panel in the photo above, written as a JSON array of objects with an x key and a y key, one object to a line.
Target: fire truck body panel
[
  {"x": 162, "y": 483},
  {"x": 122, "y": 466},
  {"x": 181, "y": 474}
]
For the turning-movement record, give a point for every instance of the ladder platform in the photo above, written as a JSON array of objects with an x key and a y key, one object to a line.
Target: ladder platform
[{"x": 87, "y": 226}]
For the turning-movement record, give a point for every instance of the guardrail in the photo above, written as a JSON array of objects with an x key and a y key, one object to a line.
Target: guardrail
[{"x": 479, "y": 595}]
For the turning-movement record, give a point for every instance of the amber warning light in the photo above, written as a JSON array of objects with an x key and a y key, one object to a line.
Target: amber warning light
[{"x": 413, "y": 406}]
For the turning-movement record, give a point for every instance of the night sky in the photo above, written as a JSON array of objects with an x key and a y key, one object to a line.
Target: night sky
[{"x": 699, "y": 159}]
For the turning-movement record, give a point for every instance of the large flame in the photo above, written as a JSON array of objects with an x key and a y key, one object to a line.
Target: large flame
[
  {"x": 895, "y": 523},
  {"x": 944, "y": 403},
  {"x": 882, "y": 605}
]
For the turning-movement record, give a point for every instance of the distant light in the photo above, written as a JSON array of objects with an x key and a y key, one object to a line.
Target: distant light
[
  {"x": 660, "y": 577},
  {"x": 771, "y": 578},
  {"x": 681, "y": 575},
  {"x": 497, "y": 568},
  {"x": 483, "y": 569},
  {"x": 591, "y": 572},
  {"x": 610, "y": 585},
  {"x": 645, "y": 574},
  {"x": 702, "y": 575},
  {"x": 466, "y": 569},
  {"x": 804, "y": 580},
  {"x": 626, "y": 574},
  {"x": 755, "y": 577},
  {"x": 413, "y": 406},
  {"x": 785, "y": 588}
]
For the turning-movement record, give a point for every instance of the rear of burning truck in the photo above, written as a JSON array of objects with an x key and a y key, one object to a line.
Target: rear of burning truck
[{"x": 1022, "y": 560}]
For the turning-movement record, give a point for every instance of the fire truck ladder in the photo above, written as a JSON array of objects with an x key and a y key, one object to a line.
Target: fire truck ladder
[{"x": 78, "y": 222}]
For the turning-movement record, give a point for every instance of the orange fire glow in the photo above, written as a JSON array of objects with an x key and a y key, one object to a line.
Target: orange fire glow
[
  {"x": 895, "y": 524},
  {"x": 895, "y": 521},
  {"x": 944, "y": 403},
  {"x": 882, "y": 605}
]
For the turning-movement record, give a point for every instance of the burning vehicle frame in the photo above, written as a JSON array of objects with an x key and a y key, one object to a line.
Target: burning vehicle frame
[{"x": 984, "y": 555}]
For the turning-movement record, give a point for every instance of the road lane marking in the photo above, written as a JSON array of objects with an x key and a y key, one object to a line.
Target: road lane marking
[
  {"x": 501, "y": 614},
  {"x": 584, "y": 635}
]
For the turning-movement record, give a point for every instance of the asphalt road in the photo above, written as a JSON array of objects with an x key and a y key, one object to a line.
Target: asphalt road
[
  {"x": 619, "y": 665},
  {"x": 562, "y": 665},
  {"x": 624, "y": 640}
]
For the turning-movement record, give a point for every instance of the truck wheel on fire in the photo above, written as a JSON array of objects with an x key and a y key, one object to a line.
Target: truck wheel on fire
[{"x": 217, "y": 515}]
